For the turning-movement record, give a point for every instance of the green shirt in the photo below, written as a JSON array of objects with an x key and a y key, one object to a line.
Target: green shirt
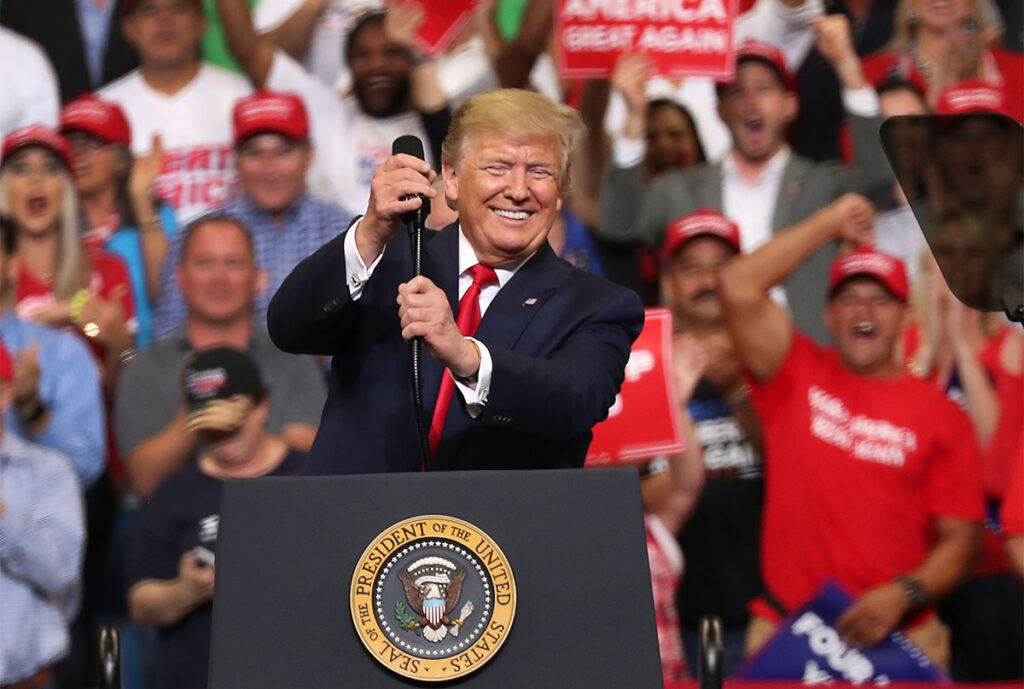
[{"x": 214, "y": 47}]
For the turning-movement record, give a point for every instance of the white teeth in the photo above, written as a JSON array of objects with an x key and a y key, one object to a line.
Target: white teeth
[
  {"x": 512, "y": 215},
  {"x": 865, "y": 328}
]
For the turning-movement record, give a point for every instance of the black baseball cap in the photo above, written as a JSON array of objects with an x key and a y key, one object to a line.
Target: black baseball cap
[{"x": 219, "y": 373}]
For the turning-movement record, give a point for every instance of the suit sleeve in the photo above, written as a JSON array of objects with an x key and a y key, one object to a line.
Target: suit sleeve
[
  {"x": 312, "y": 310},
  {"x": 568, "y": 392},
  {"x": 869, "y": 172},
  {"x": 631, "y": 210}
]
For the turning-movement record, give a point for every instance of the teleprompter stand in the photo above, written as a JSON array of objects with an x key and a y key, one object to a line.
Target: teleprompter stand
[{"x": 288, "y": 547}]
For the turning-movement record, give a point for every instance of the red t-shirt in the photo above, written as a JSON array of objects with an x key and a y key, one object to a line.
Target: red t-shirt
[
  {"x": 1013, "y": 506},
  {"x": 856, "y": 471},
  {"x": 107, "y": 273}
]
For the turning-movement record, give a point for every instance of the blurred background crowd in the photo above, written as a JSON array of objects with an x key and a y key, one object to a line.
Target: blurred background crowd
[{"x": 166, "y": 163}]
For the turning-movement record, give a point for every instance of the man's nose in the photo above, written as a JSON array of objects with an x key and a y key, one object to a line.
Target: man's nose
[{"x": 516, "y": 188}]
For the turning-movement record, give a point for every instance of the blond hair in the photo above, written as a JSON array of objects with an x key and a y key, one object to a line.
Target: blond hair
[
  {"x": 72, "y": 264},
  {"x": 514, "y": 114},
  {"x": 905, "y": 25}
]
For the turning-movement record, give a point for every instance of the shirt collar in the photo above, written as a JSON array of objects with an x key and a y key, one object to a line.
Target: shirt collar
[
  {"x": 772, "y": 170},
  {"x": 468, "y": 259}
]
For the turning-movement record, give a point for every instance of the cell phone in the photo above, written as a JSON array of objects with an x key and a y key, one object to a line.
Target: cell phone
[{"x": 204, "y": 556}]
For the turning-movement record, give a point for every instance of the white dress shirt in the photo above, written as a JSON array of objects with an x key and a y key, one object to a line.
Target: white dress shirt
[{"x": 474, "y": 395}]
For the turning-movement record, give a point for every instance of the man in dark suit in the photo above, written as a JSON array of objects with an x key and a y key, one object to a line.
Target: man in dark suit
[
  {"x": 83, "y": 39},
  {"x": 549, "y": 355},
  {"x": 761, "y": 184}
]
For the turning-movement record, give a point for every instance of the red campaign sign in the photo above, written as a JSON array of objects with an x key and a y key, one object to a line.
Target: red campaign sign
[
  {"x": 441, "y": 21},
  {"x": 683, "y": 37},
  {"x": 644, "y": 421}
]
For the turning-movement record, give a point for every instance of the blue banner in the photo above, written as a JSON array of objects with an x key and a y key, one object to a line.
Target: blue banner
[{"x": 808, "y": 647}]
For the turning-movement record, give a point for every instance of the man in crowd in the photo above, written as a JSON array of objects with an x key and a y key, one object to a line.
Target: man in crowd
[
  {"x": 41, "y": 539},
  {"x": 548, "y": 357},
  {"x": 721, "y": 537},
  {"x": 28, "y": 95},
  {"x": 171, "y": 567},
  {"x": 873, "y": 475},
  {"x": 760, "y": 183},
  {"x": 81, "y": 39},
  {"x": 219, "y": 279},
  {"x": 57, "y": 401},
  {"x": 184, "y": 100},
  {"x": 396, "y": 92},
  {"x": 273, "y": 153}
]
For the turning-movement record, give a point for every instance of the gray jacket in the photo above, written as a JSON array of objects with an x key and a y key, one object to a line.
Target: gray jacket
[{"x": 632, "y": 210}]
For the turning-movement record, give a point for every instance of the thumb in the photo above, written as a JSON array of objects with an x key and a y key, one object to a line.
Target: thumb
[{"x": 157, "y": 147}]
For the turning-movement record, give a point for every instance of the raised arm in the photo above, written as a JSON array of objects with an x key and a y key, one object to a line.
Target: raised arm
[
  {"x": 760, "y": 328},
  {"x": 253, "y": 51},
  {"x": 516, "y": 60},
  {"x": 295, "y": 34}
]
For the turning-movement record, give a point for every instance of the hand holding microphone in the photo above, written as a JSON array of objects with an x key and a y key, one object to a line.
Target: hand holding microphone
[{"x": 401, "y": 185}]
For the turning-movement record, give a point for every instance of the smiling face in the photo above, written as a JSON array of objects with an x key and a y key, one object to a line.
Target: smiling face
[
  {"x": 218, "y": 276},
  {"x": 380, "y": 72},
  {"x": 671, "y": 141},
  {"x": 35, "y": 182},
  {"x": 756, "y": 108},
  {"x": 866, "y": 321},
  {"x": 272, "y": 170},
  {"x": 508, "y": 194}
]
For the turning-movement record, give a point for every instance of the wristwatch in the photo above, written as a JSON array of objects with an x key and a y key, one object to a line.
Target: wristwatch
[{"x": 914, "y": 590}]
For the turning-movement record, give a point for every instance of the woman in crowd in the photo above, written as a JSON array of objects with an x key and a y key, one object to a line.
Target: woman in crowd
[
  {"x": 975, "y": 358},
  {"x": 57, "y": 282},
  {"x": 937, "y": 45},
  {"x": 119, "y": 211}
]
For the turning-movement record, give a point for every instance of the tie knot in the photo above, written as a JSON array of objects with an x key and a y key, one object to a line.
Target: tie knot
[{"x": 482, "y": 275}]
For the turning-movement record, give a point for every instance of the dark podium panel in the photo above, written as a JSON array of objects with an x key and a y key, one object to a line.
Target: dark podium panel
[{"x": 287, "y": 548}]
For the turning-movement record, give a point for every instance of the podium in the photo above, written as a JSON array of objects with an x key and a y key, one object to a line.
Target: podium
[{"x": 287, "y": 584}]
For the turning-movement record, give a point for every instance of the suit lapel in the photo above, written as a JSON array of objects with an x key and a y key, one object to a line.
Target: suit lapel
[
  {"x": 789, "y": 192},
  {"x": 710, "y": 191},
  {"x": 521, "y": 299}
]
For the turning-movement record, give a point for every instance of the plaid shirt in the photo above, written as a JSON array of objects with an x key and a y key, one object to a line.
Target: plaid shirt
[
  {"x": 306, "y": 226},
  {"x": 41, "y": 538}
]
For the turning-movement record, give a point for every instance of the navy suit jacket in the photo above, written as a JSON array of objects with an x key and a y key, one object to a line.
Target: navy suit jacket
[{"x": 559, "y": 340}]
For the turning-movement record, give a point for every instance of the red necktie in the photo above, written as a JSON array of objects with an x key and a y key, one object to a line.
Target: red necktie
[{"x": 467, "y": 320}]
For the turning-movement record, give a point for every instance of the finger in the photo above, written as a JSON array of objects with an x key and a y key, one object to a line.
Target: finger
[{"x": 404, "y": 160}]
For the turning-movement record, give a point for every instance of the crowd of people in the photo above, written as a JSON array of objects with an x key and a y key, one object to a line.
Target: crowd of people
[{"x": 168, "y": 164}]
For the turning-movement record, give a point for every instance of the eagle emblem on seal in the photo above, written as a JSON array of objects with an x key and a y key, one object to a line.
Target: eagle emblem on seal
[{"x": 433, "y": 589}]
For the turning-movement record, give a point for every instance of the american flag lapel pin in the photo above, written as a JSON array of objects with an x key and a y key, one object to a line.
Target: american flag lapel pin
[
  {"x": 793, "y": 190},
  {"x": 530, "y": 302}
]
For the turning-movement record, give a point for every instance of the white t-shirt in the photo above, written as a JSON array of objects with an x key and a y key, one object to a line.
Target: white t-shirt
[
  {"x": 196, "y": 129},
  {"x": 325, "y": 58},
  {"x": 347, "y": 144},
  {"x": 28, "y": 90}
]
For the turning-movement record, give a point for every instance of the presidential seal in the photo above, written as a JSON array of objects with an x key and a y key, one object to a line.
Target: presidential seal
[{"x": 433, "y": 598}]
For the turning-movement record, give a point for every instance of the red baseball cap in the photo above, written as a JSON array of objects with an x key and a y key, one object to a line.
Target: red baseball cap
[
  {"x": 271, "y": 112},
  {"x": 701, "y": 223},
  {"x": 102, "y": 119},
  {"x": 769, "y": 55},
  {"x": 868, "y": 262},
  {"x": 36, "y": 135},
  {"x": 128, "y": 6},
  {"x": 6, "y": 365},
  {"x": 972, "y": 95}
]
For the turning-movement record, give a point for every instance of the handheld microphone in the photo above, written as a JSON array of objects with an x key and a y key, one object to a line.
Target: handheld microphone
[
  {"x": 411, "y": 145},
  {"x": 416, "y": 221}
]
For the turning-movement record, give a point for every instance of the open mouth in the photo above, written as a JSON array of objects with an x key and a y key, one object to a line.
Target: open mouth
[
  {"x": 940, "y": 5},
  {"x": 37, "y": 205},
  {"x": 511, "y": 215},
  {"x": 864, "y": 330},
  {"x": 754, "y": 125}
]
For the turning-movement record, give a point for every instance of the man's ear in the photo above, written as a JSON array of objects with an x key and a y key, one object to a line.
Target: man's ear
[
  {"x": 792, "y": 104},
  {"x": 130, "y": 32},
  {"x": 451, "y": 184},
  {"x": 262, "y": 281}
]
